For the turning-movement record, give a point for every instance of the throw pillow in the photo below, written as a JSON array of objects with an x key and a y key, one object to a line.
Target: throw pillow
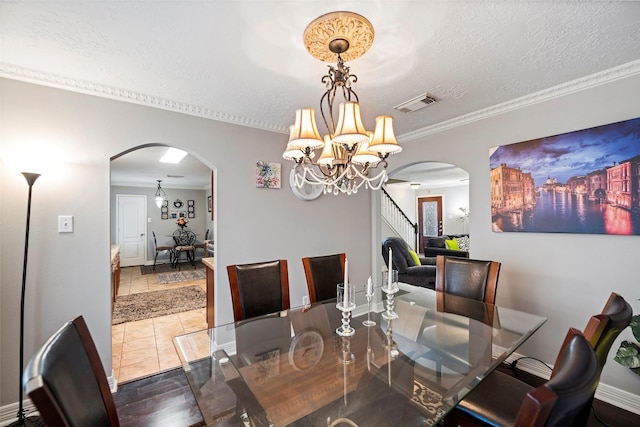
[
  {"x": 452, "y": 244},
  {"x": 463, "y": 243},
  {"x": 415, "y": 257}
]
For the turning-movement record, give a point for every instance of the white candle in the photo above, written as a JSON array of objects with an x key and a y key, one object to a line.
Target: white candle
[
  {"x": 369, "y": 287},
  {"x": 390, "y": 268},
  {"x": 346, "y": 283}
]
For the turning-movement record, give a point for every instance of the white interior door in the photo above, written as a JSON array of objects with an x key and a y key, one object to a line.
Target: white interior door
[{"x": 132, "y": 228}]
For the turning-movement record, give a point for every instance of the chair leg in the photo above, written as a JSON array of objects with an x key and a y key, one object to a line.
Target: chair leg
[{"x": 154, "y": 261}]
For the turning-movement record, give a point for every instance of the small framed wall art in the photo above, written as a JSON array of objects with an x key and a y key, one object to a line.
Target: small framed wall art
[{"x": 268, "y": 175}]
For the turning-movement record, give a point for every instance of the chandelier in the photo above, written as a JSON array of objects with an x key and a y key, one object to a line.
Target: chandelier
[
  {"x": 160, "y": 195},
  {"x": 350, "y": 155}
]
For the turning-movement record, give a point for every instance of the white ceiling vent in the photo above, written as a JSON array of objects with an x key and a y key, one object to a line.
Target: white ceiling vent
[{"x": 415, "y": 104}]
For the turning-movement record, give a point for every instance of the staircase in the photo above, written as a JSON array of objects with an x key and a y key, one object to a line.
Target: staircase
[{"x": 397, "y": 220}]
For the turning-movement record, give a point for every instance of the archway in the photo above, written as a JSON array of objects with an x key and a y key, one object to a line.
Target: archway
[
  {"x": 444, "y": 184},
  {"x": 144, "y": 346}
]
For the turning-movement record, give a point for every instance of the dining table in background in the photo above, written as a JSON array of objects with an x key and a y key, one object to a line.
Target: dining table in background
[{"x": 292, "y": 369}]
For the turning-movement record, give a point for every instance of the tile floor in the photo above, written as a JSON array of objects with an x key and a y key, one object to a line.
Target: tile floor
[{"x": 145, "y": 347}]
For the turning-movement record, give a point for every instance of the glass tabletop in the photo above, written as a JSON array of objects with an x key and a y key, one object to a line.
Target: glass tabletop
[{"x": 293, "y": 369}]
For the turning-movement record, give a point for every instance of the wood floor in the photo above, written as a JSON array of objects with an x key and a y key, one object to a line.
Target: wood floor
[{"x": 165, "y": 400}]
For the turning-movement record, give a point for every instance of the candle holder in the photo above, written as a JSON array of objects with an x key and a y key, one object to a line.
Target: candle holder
[
  {"x": 369, "y": 323},
  {"x": 346, "y": 304},
  {"x": 390, "y": 287}
]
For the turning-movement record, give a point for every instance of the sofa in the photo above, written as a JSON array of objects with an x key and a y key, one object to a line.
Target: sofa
[
  {"x": 408, "y": 270},
  {"x": 436, "y": 245}
]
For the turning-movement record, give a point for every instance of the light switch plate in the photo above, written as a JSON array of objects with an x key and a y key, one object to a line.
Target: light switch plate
[{"x": 65, "y": 223}]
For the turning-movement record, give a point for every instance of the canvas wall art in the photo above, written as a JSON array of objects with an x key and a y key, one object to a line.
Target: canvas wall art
[
  {"x": 268, "y": 175},
  {"x": 587, "y": 181}
]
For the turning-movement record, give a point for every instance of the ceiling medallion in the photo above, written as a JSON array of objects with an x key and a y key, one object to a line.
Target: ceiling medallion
[
  {"x": 348, "y": 152},
  {"x": 345, "y": 33}
]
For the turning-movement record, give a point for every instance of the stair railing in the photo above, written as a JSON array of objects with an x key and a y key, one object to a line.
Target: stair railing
[{"x": 398, "y": 220}]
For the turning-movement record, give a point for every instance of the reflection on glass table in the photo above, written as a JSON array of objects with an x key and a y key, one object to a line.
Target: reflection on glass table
[{"x": 291, "y": 368}]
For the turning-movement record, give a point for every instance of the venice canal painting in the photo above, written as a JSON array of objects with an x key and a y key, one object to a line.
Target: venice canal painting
[{"x": 587, "y": 181}]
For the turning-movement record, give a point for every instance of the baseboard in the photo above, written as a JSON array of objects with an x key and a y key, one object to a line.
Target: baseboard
[
  {"x": 8, "y": 413},
  {"x": 614, "y": 396},
  {"x": 113, "y": 382}
]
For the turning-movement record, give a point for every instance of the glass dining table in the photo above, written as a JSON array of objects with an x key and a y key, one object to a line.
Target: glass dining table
[{"x": 292, "y": 368}]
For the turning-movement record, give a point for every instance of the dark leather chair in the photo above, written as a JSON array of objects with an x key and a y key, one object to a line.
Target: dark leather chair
[
  {"x": 185, "y": 241},
  {"x": 323, "y": 273},
  {"x": 258, "y": 289},
  {"x": 408, "y": 271},
  {"x": 469, "y": 278},
  {"x": 66, "y": 381},
  {"x": 161, "y": 249},
  {"x": 603, "y": 329},
  {"x": 502, "y": 400}
]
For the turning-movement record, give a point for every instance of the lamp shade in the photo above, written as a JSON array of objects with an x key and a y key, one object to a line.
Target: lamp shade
[
  {"x": 327, "y": 157},
  {"x": 350, "y": 129},
  {"x": 305, "y": 132},
  {"x": 292, "y": 153},
  {"x": 364, "y": 156},
  {"x": 384, "y": 140}
]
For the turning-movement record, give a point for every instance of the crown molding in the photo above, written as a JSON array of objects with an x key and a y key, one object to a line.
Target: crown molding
[
  {"x": 75, "y": 85},
  {"x": 90, "y": 88},
  {"x": 626, "y": 70}
]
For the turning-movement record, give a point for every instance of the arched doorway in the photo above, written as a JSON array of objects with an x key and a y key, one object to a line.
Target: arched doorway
[
  {"x": 142, "y": 338},
  {"x": 433, "y": 195}
]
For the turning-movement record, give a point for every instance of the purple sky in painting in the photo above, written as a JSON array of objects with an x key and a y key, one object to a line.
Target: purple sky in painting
[{"x": 572, "y": 154}]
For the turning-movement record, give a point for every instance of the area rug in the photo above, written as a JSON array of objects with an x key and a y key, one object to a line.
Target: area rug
[
  {"x": 181, "y": 276},
  {"x": 430, "y": 401},
  {"x": 166, "y": 268},
  {"x": 145, "y": 305}
]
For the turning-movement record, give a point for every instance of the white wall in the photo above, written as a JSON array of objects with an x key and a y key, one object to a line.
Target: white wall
[
  {"x": 69, "y": 274},
  {"x": 565, "y": 277},
  {"x": 164, "y": 228}
]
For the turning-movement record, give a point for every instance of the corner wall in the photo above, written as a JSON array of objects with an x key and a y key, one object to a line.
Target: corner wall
[{"x": 564, "y": 277}]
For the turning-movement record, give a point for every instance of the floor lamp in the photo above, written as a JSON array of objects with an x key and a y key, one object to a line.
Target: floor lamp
[{"x": 22, "y": 420}]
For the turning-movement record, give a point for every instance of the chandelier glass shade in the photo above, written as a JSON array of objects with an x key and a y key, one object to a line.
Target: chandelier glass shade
[
  {"x": 160, "y": 195},
  {"x": 349, "y": 152}
]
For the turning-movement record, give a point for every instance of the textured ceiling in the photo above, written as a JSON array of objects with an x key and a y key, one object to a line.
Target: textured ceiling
[{"x": 244, "y": 61}]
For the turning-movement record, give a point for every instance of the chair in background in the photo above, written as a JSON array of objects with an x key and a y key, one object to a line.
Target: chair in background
[
  {"x": 161, "y": 249},
  {"x": 603, "y": 329},
  {"x": 502, "y": 400},
  {"x": 184, "y": 245},
  {"x": 469, "y": 278},
  {"x": 66, "y": 381},
  {"x": 202, "y": 245},
  {"x": 259, "y": 288},
  {"x": 409, "y": 271},
  {"x": 323, "y": 273}
]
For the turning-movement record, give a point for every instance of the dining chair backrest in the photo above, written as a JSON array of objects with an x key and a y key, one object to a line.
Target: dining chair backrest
[
  {"x": 469, "y": 278},
  {"x": 323, "y": 273},
  {"x": 562, "y": 400},
  {"x": 603, "y": 329},
  {"x": 184, "y": 237},
  {"x": 259, "y": 288},
  {"x": 66, "y": 381}
]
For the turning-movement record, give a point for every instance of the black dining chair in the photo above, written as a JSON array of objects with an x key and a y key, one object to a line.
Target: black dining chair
[
  {"x": 184, "y": 245},
  {"x": 203, "y": 245},
  {"x": 502, "y": 400},
  {"x": 323, "y": 273},
  {"x": 66, "y": 381},
  {"x": 159, "y": 249},
  {"x": 259, "y": 288}
]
